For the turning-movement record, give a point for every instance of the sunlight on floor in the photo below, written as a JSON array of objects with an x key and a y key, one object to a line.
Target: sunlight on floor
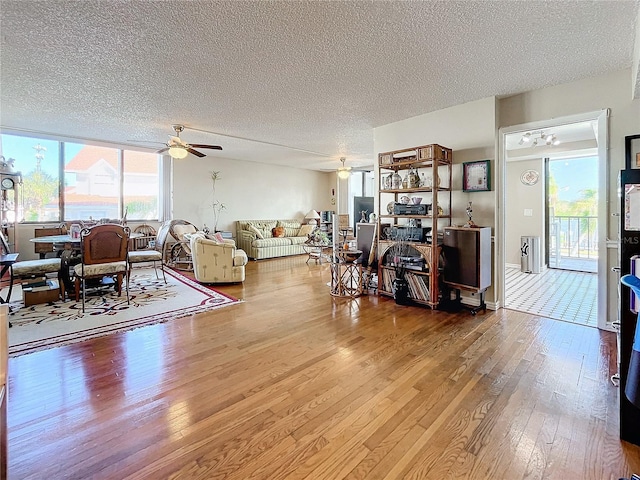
[{"x": 559, "y": 294}]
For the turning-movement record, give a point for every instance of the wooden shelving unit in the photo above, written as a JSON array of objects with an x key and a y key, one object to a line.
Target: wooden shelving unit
[
  {"x": 9, "y": 205},
  {"x": 418, "y": 228}
]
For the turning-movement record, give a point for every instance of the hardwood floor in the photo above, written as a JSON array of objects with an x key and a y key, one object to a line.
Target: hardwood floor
[{"x": 294, "y": 383}]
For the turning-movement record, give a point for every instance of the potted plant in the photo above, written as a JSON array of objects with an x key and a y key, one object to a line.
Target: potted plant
[
  {"x": 318, "y": 238},
  {"x": 216, "y": 205}
]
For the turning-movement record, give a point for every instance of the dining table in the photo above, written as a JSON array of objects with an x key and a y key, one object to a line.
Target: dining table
[
  {"x": 68, "y": 248},
  {"x": 70, "y": 240}
]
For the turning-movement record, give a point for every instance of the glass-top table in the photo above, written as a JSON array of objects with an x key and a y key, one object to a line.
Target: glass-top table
[{"x": 317, "y": 252}]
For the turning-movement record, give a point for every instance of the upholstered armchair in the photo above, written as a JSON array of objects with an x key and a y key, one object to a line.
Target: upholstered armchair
[{"x": 216, "y": 261}]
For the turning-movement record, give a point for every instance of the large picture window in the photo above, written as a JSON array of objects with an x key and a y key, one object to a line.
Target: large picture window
[{"x": 74, "y": 181}]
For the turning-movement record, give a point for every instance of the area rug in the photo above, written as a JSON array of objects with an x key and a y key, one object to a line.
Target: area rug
[{"x": 50, "y": 325}]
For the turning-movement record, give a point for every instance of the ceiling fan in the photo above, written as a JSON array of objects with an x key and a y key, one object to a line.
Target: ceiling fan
[{"x": 177, "y": 148}]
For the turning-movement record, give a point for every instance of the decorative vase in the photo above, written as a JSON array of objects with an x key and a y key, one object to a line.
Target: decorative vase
[
  {"x": 396, "y": 181},
  {"x": 413, "y": 180},
  {"x": 388, "y": 181}
]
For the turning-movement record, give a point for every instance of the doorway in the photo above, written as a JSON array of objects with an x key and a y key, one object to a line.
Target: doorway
[
  {"x": 523, "y": 178},
  {"x": 572, "y": 212}
]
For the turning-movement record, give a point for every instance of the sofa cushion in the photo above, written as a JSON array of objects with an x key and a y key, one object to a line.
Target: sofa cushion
[
  {"x": 298, "y": 240},
  {"x": 263, "y": 227},
  {"x": 256, "y": 230},
  {"x": 303, "y": 231},
  {"x": 271, "y": 242},
  {"x": 291, "y": 227}
]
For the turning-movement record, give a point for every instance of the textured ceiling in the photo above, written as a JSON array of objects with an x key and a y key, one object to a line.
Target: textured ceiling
[{"x": 297, "y": 83}]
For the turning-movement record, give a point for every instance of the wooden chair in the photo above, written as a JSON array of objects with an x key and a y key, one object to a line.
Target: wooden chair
[
  {"x": 7, "y": 260},
  {"x": 42, "y": 249},
  {"x": 345, "y": 231},
  {"x": 172, "y": 243},
  {"x": 144, "y": 253},
  {"x": 104, "y": 254}
]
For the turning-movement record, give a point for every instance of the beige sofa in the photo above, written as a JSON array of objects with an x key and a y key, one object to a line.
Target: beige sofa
[
  {"x": 215, "y": 261},
  {"x": 256, "y": 237}
]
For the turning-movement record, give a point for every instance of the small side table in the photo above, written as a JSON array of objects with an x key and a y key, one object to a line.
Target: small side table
[
  {"x": 346, "y": 279},
  {"x": 316, "y": 252}
]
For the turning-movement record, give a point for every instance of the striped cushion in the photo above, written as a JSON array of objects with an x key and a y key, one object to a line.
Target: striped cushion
[
  {"x": 291, "y": 227},
  {"x": 110, "y": 268},
  {"x": 36, "y": 267},
  {"x": 139, "y": 256}
]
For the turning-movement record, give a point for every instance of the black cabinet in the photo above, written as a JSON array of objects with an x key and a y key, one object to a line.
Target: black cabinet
[
  {"x": 467, "y": 253},
  {"x": 629, "y": 246}
]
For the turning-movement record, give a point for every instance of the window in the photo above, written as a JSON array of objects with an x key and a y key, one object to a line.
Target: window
[
  {"x": 97, "y": 181},
  {"x": 141, "y": 185}
]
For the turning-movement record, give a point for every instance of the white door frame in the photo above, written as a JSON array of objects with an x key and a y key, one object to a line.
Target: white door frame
[{"x": 602, "y": 117}]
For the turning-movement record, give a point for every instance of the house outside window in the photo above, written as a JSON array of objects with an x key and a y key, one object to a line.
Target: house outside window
[{"x": 97, "y": 182}]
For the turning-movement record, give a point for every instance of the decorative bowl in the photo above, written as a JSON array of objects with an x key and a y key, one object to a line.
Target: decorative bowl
[
  {"x": 404, "y": 200},
  {"x": 416, "y": 200},
  {"x": 349, "y": 256},
  {"x": 390, "y": 207}
]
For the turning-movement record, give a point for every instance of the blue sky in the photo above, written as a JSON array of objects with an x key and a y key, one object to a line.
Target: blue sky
[
  {"x": 573, "y": 175},
  {"x": 23, "y": 151}
]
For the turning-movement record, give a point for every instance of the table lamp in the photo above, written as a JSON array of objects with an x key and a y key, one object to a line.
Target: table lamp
[{"x": 312, "y": 217}]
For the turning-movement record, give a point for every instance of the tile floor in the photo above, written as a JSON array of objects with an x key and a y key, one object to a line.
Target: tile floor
[{"x": 560, "y": 294}]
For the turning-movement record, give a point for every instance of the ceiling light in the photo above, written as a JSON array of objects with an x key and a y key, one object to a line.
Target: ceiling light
[
  {"x": 344, "y": 172},
  {"x": 176, "y": 151},
  {"x": 539, "y": 138},
  {"x": 526, "y": 138}
]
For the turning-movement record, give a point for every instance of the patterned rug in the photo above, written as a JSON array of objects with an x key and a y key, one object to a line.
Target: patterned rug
[{"x": 43, "y": 326}]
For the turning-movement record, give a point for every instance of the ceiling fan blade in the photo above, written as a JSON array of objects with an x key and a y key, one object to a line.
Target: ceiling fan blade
[
  {"x": 162, "y": 150},
  {"x": 195, "y": 152},
  {"x": 214, "y": 147}
]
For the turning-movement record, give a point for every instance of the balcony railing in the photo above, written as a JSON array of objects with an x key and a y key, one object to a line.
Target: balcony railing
[{"x": 573, "y": 237}]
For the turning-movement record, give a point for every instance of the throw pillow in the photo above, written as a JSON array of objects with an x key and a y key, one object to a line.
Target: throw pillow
[
  {"x": 278, "y": 232},
  {"x": 216, "y": 237},
  {"x": 305, "y": 230},
  {"x": 264, "y": 226},
  {"x": 291, "y": 227},
  {"x": 256, "y": 231}
]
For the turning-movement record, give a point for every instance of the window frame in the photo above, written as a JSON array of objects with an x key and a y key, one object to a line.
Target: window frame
[{"x": 162, "y": 185}]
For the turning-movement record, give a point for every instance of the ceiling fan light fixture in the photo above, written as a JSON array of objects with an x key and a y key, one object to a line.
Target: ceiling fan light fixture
[
  {"x": 343, "y": 172},
  {"x": 177, "y": 151}
]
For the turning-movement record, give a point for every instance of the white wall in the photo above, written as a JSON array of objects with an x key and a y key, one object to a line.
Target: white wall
[
  {"x": 521, "y": 197},
  {"x": 613, "y": 91},
  {"x": 249, "y": 190},
  {"x": 470, "y": 131}
]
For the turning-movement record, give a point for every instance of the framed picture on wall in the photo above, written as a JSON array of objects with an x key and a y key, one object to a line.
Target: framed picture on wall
[
  {"x": 632, "y": 151},
  {"x": 476, "y": 176}
]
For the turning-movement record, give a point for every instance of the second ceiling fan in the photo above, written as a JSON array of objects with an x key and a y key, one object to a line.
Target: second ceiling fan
[{"x": 177, "y": 148}]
